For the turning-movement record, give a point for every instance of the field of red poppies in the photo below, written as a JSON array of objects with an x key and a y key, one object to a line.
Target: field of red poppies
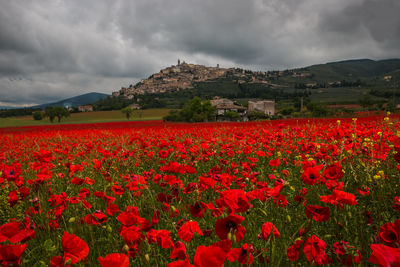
[{"x": 279, "y": 193}]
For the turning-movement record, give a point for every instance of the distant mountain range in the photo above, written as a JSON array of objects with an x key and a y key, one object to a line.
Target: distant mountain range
[{"x": 75, "y": 101}]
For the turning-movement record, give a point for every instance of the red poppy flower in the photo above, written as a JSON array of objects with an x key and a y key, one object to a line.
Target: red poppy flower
[
  {"x": 396, "y": 205},
  {"x": 311, "y": 175},
  {"x": 235, "y": 200},
  {"x": 346, "y": 254},
  {"x": 15, "y": 233},
  {"x": 280, "y": 201},
  {"x": 77, "y": 181},
  {"x": 384, "y": 256},
  {"x": 339, "y": 197},
  {"x": 314, "y": 249},
  {"x": 333, "y": 171},
  {"x": 132, "y": 237},
  {"x": 183, "y": 263},
  {"x": 12, "y": 172},
  {"x": 114, "y": 259},
  {"x": 318, "y": 213},
  {"x": 266, "y": 230},
  {"x": 117, "y": 190},
  {"x": 187, "y": 231},
  {"x": 225, "y": 244},
  {"x": 178, "y": 251},
  {"x": 397, "y": 155},
  {"x": 198, "y": 209},
  {"x": 161, "y": 237},
  {"x": 390, "y": 233},
  {"x": 95, "y": 218},
  {"x": 74, "y": 248},
  {"x": 129, "y": 218},
  {"x": 155, "y": 219},
  {"x": 11, "y": 254},
  {"x": 243, "y": 254},
  {"x": 13, "y": 198},
  {"x": 230, "y": 225},
  {"x": 275, "y": 162},
  {"x": 112, "y": 209},
  {"x": 364, "y": 191},
  {"x": 209, "y": 256},
  {"x": 294, "y": 250}
]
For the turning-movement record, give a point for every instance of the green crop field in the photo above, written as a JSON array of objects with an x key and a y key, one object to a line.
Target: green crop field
[{"x": 87, "y": 117}]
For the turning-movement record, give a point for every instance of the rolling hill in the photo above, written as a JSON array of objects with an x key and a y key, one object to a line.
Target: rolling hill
[{"x": 75, "y": 101}]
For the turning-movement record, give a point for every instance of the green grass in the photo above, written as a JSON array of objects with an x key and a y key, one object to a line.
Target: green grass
[
  {"x": 340, "y": 95},
  {"x": 87, "y": 117}
]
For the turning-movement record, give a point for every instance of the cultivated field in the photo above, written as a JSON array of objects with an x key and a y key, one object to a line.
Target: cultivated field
[
  {"x": 87, "y": 117},
  {"x": 149, "y": 193}
]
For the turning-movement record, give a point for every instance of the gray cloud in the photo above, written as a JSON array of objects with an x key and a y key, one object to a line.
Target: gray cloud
[{"x": 52, "y": 49}]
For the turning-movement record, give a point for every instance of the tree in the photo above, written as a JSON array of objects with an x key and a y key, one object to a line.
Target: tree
[
  {"x": 37, "y": 115},
  {"x": 127, "y": 111},
  {"x": 366, "y": 101},
  {"x": 232, "y": 115},
  {"x": 50, "y": 113},
  {"x": 195, "y": 110},
  {"x": 54, "y": 112}
]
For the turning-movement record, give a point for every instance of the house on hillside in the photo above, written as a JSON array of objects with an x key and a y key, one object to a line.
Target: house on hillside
[
  {"x": 134, "y": 106},
  {"x": 264, "y": 106},
  {"x": 226, "y": 107},
  {"x": 85, "y": 108}
]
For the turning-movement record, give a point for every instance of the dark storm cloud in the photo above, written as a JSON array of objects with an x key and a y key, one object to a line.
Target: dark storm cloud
[{"x": 52, "y": 49}]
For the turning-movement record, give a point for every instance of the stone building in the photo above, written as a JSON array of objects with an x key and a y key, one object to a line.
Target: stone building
[
  {"x": 265, "y": 106},
  {"x": 224, "y": 105},
  {"x": 85, "y": 108}
]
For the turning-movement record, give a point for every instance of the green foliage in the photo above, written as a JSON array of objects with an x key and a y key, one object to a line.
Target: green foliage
[
  {"x": 174, "y": 115},
  {"x": 194, "y": 110},
  {"x": 112, "y": 103},
  {"x": 37, "y": 115},
  {"x": 365, "y": 101},
  {"x": 255, "y": 116},
  {"x": 56, "y": 112},
  {"x": 5, "y": 113},
  {"x": 287, "y": 111},
  {"x": 232, "y": 115},
  {"x": 6, "y": 211},
  {"x": 317, "y": 110},
  {"x": 128, "y": 111}
]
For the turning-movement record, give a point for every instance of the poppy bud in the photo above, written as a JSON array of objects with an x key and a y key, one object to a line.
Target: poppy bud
[
  {"x": 147, "y": 257},
  {"x": 71, "y": 220},
  {"x": 109, "y": 228},
  {"x": 288, "y": 218},
  {"x": 234, "y": 238},
  {"x": 125, "y": 248},
  {"x": 229, "y": 236}
]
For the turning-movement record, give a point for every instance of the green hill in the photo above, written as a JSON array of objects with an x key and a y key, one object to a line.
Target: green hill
[
  {"x": 75, "y": 101},
  {"x": 342, "y": 82},
  {"x": 355, "y": 69}
]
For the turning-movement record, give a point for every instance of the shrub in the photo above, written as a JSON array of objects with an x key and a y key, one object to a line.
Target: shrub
[{"x": 37, "y": 115}]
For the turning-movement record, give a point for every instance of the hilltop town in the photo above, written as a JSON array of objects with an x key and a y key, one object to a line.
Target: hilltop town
[{"x": 184, "y": 76}]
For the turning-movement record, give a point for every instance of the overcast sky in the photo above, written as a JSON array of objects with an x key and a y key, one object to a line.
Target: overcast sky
[{"x": 54, "y": 49}]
